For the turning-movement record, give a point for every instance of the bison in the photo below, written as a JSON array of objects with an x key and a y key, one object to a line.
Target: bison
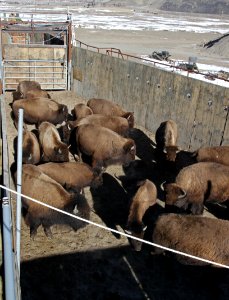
[
  {"x": 81, "y": 110},
  {"x": 31, "y": 153},
  {"x": 218, "y": 154},
  {"x": 53, "y": 148},
  {"x": 37, "y": 185},
  {"x": 103, "y": 145},
  {"x": 199, "y": 236},
  {"x": 117, "y": 124},
  {"x": 39, "y": 110},
  {"x": 166, "y": 139},
  {"x": 106, "y": 107},
  {"x": 72, "y": 175},
  {"x": 195, "y": 184},
  {"x": 145, "y": 197},
  {"x": 25, "y": 86}
]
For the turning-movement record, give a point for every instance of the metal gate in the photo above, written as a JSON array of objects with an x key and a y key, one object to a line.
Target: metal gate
[{"x": 36, "y": 51}]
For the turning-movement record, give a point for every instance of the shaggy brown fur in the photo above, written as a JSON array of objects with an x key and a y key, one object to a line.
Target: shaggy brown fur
[
  {"x": 105, "y": 146},
  {"x": 117, "y": 124},
  {"x": 39, "y": 186},
  {"x": 106, "y": 107},
  {"x": 30, "y": 148},
  {"x": 145, "y": 197},
  {"x": 53, "y": 148},
  {"x": 72, "y": 175},
  {"x": 218, "y": 154},
  {"x": 195, "y": 184},
  {"x": 203, "y": 237},
  {"x": 40, "y": 109},
  {"x": 166, "y": 139},
  {"x": 81, "y": 110}
]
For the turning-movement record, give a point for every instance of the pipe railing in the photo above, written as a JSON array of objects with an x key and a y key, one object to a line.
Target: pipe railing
[{"x": 111, "y": 51}]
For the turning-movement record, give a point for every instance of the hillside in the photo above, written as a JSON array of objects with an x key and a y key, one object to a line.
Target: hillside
[
  {"x": 193, "y": 6},
  {"x": 197, "y": 6}
]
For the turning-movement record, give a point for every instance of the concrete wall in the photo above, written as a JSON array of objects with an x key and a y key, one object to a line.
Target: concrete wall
[{"x": 199, "y": 108}]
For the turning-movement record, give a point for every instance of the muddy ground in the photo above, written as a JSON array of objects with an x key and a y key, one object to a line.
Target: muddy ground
[{"x": 93, "y": 263}]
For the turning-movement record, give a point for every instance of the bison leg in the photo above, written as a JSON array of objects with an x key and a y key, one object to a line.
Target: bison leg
[
  {"x": 33, "y": 230},
  {"x": 197, "y": 208},
  {"x": 48, "y": 232}
]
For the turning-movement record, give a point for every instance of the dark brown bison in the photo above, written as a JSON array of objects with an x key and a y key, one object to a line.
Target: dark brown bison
[
  {"x": 195, "y": 184},
  {"x": 203, "y": 237},
  {"x": 72, "y": 175},
  {"x": 41, "y": 187},
  {"x": 117, "y": 124},
  {"x": 81, "y": 110},
  {"x": 105, "y": 146},
  {"x": 166, "y": 139},
  {"x": 31, "y": 153},
  {"x": 52, "y": 146},
  {"x": 145, "y": 197},
  {"x": 106, "y": 107},
  {"x": 39, "y": 110}
]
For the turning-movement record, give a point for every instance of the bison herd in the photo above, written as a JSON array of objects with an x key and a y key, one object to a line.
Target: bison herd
[{"x": 68, "y": 151}]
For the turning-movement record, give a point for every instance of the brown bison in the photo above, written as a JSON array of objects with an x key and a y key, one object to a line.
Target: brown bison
[
  {"x": 195, "y": 184},
  {"x": 25, "y": 86},
  {"x": 117, "y": 124},
  {"x": 218, "y": 154},
  {"x": 166, "y": 139},
  {"x": 52, "y": 146},
  {"x": 72, "y": 175},
  {"x": 31, "y": 153},
  {"x": 41, "y": 187},
  {"x": 105, "y": 146},
  {"x": 145, "y": 197},
  {"x": 39, "y": 110},
  {"x": 106, "y": 107},
  {"x": 37, "y": 94},
  {"x": 81, "y": 110},
  {"x": 203, "y": 237}
]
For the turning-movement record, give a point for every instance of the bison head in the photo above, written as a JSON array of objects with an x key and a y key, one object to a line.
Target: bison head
[
  {"x": 130, "y": 118},
  {"x": 175, "y": 195},
  {"x": 171, "y": 152},
  {"x": 129, "y": 150},
  {"x": 61, "y": 153},
  {"x": 136, "y": 230}
]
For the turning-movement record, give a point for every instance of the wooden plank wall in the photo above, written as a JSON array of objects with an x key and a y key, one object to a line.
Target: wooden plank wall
[{"x": 154, "y": 95}]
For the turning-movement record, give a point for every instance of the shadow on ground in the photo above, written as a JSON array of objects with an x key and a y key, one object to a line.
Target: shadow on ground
[{"x": 119, "y": 273}]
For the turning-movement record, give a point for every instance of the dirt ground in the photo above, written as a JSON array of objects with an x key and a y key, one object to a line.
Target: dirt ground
[{"x": 93, "y": 263}]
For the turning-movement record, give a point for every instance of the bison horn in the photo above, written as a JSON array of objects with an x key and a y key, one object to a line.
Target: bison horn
[
  {"x": 162, "y": 185},
  {"x": 132, "y": 148},
  {"x": 59, "y": 151},
  {"x": 30, "y": 156},
  {"x": 183, "y": 195}
]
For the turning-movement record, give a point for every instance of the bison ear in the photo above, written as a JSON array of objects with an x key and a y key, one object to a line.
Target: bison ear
[{"x": 129, "y": 147}]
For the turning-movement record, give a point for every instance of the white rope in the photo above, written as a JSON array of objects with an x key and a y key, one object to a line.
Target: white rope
[{"x": 115, "y": 231}]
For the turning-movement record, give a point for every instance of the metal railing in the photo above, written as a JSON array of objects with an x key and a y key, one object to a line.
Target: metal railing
[{"x": 120, "y": 54}]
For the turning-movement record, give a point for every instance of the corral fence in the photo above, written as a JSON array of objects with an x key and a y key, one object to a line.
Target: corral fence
[
  {"x": 154, "y": 95},
  {"x": 39, "y": 51}
]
